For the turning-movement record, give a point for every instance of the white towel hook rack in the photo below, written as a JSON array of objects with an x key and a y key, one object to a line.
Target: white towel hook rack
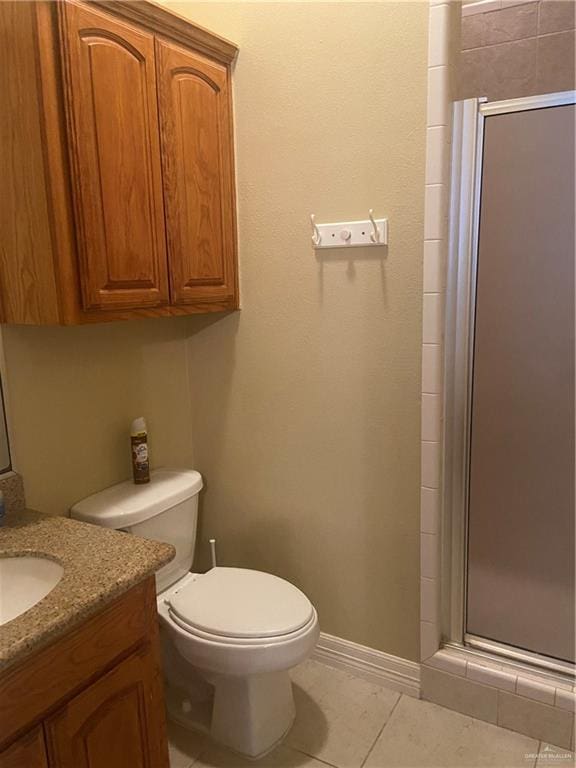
[
  {"x": 350, "y": 234},
  {"x": 316, "y": 236},
  {"x": 375, "y": 236}
]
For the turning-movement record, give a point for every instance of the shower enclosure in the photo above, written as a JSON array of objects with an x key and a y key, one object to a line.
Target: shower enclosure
[{"x": 509, "y": 381}]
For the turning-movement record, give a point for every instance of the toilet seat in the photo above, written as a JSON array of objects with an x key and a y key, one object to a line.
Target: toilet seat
[
  {"x": 243, "y": 642},
  {"x": 228, "y": 655},
  {"x": 240, "y": 606}
]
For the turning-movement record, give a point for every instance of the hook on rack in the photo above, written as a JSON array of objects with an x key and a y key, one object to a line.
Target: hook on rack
[
  {"x": 375, "y": 236},
  {"x": 316, "y": 236}
]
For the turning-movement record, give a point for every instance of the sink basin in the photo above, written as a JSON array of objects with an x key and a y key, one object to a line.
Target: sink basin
[{"x": 24, "y": 581}]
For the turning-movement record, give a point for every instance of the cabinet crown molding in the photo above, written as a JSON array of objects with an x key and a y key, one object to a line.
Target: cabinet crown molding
[{"x": 158, "y": 19}]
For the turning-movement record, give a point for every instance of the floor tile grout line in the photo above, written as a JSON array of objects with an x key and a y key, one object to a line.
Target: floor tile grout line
[
  {"x": 191, "y": 761},
  {"x": 307, "y": 754},
  {"x": 538, "y": 750},
  {"x": 282, "y": 744},
  {"x": 381, "y": 731},
  {"x": 194, "y": 761},
  {"x": 205, "y": 746}
]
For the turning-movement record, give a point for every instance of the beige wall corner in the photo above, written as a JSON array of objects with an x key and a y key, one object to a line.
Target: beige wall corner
[
  {"x": 73, "y": 393},
  {"x": 305, "y": 406}
]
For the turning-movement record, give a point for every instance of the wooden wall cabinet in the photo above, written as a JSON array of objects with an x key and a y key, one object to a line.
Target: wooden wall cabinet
[
  {"x": 28, "y": 752},
  {"x": 116, "y": 155},
  {"x": 93, "y": 699}
]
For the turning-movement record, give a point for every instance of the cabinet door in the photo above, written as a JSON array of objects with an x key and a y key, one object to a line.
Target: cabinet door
[
  {"x": 115, "y": 156},
  {"x": 27, "y": 752},
  {"x": 198, "y": 170},
  {"x": 115, "y": 723}
]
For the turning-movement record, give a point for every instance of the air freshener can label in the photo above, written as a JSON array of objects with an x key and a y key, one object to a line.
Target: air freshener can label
[{"x": 140, "y": 461}]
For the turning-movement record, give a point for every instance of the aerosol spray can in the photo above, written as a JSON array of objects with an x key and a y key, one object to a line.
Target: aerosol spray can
[{"x": 140, "y": 461}]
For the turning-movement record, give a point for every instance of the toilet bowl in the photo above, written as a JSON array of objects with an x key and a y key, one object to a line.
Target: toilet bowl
[
  {"x": 221, "y": 624},
  {"x": 229, "y": 636}
]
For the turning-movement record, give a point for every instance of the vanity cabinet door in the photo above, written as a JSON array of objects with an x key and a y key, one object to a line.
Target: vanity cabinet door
[
  {"x": 116, "y": 722},
  {"x": 27, "y": 752},
  {"x": 195, "y": 114},
  {"x": 113, "y": 140}
]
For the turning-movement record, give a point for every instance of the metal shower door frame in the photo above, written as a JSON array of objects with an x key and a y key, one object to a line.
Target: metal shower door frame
[{"x": 465, "y": 202}]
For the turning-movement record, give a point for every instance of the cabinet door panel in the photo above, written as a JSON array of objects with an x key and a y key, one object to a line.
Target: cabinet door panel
[
  {"x": 27, "y": 752},
  {"x": 197, "y": 159},
  {"x": 115, "y": 153},
  {"x": 115, "y": 723}
]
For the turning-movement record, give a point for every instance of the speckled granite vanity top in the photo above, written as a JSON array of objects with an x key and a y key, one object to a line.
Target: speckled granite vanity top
[{"x": 99, "y": 565}]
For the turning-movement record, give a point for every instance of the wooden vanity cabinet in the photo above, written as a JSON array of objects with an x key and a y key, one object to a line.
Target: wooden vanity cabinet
[
  {"x": 94, "y": 698},
  {"x": 112, "y": 724},
  {"x": 117, "y": 167}
]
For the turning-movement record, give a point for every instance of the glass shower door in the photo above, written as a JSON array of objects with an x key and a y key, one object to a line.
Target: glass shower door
[{"x": 520, "y": 564}]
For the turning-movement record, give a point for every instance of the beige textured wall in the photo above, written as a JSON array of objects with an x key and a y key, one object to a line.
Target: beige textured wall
[
  {"x": 302, "y": 411},
  {"x": 305, "y": 406},
  {"x": 72, "y": 393}
]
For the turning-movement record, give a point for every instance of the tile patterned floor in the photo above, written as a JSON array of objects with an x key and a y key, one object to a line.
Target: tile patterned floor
[{"x": 345, "y": 722}]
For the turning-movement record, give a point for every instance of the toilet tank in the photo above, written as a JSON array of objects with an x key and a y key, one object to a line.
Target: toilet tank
[{"x": 165, "y": 509}]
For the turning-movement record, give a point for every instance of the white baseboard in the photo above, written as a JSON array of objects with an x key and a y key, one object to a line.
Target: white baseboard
[{"x": 378, "y": 667}]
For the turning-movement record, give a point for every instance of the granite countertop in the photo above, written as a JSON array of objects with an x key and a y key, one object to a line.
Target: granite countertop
[{"x": 99, "y": 565}]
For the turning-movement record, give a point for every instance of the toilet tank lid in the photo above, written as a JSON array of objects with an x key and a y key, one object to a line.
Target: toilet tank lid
[{"x": 127, "y": 504}]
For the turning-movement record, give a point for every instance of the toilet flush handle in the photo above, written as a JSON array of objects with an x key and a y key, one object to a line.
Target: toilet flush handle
[{"x": 213, "y": 552}]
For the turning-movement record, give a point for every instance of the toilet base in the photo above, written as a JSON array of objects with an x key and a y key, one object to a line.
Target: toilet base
[
  {"x": 191, "y": 715},
  {"x": 251, "y": 715}
]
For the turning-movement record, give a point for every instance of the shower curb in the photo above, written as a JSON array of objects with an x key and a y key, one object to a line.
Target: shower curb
[{"x": 534, "y": 702}]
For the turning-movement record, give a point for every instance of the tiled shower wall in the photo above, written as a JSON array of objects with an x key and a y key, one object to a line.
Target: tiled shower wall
[
  {"x": 517, "y": 49},
  {"x": 488, "y": 689},
  {"x": 443, "y": 48}
]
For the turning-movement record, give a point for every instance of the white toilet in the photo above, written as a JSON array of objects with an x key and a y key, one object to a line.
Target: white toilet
[{"x": 229, "y": 636}]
